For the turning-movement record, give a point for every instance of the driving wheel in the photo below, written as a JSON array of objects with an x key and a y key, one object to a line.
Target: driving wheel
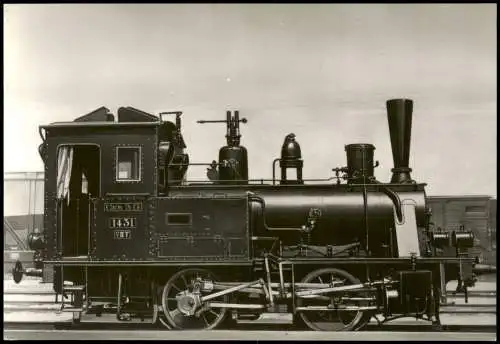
[
  {"x": 336, "y": 316},
  {"x": 181, "y": 302}
]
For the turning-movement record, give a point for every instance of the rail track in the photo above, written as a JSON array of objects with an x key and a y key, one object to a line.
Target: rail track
[
  {"x": 12, "y": 334},
  {"x": 32, "y": 305}
]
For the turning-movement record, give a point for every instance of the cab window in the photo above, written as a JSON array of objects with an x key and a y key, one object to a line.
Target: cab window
[{"x": 128, "y": 164}]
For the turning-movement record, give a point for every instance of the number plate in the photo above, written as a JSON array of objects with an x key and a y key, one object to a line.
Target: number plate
[
  {"x": 122, "y": 234},
  {"x": 117, "y": 207},
  {"x": 122, "y": 222}
]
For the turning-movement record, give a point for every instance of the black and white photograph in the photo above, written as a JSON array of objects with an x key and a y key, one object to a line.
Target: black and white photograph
[{"x": 257, "y": 172}]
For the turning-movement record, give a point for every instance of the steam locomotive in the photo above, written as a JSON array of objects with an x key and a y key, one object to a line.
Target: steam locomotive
[{"x": 126, "y": 232}]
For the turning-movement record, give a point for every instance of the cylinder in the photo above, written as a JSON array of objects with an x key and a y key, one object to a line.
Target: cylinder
[
  {"x": 360, "y": 164},
  {"x": 463, "y": 239},
  {"x": 440, "y": 239},
  {"x": 399, "y": 115}
]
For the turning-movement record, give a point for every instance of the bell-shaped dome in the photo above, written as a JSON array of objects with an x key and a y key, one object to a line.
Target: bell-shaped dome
[{"x": 290, "y": 149}]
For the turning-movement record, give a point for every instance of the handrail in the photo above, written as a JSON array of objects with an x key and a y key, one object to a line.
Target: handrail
[
  {"x": 394, "y": 198},
  {"x": 256, "y": 182},
  {"x": 274, "y": 169},
  {"x": 260, "y": 200},
  {"x": 209, "y": 182}
]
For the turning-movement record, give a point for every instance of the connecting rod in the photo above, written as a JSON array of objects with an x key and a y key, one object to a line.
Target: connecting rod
[{"x": 227, "y": 291}]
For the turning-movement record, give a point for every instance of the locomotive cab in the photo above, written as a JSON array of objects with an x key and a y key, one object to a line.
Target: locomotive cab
[{"x": 100, "y": 174}]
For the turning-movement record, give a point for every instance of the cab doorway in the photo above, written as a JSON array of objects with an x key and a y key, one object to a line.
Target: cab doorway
[{"x": 78, "y": 182}]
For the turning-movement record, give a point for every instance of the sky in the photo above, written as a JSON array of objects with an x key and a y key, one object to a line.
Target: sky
[{"x": 321, "y": 71}]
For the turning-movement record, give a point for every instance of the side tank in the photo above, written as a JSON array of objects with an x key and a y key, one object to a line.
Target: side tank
[{"x": 342, "y": 207}]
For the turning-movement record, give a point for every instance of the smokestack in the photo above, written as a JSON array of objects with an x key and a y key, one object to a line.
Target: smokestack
[{"x": 399, "y": 114}]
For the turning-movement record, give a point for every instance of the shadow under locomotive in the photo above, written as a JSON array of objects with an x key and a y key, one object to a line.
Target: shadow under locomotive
[{"x": 135, "y": 238}]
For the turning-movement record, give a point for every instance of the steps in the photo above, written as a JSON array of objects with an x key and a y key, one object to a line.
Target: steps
[{"x": 76, "y": 304}]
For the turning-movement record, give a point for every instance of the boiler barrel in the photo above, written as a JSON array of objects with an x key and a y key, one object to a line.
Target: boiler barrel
[{"x": 342, "y": 218}]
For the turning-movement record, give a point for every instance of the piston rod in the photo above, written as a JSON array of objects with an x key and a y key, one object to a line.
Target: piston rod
[
  {"x": 332, "y": 309},
  {"x": 329, "y": 290}
]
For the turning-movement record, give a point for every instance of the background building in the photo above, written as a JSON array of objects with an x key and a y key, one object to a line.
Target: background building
[{"x": 22, "y": 207}]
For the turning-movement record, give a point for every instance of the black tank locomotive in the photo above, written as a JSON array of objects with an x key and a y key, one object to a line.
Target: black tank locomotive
[{"x": 134, "y": 236}]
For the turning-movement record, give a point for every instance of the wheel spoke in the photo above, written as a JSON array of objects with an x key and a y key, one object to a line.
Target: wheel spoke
[
  {"x": 185, "y": 281},
  {"x": 213, "y": 312},
  {"x": 205, "y": 319},
  {"x": 176, "y": 287},
  {"x": 175, "y": 317}
]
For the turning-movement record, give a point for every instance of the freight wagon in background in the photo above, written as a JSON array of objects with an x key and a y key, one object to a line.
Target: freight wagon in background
[
  {"x": 474, "y": 213},
  {"x": 23, "y": 212}
]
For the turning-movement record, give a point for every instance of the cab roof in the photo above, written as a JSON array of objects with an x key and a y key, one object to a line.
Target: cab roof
[{"x": 102, "y": 117}]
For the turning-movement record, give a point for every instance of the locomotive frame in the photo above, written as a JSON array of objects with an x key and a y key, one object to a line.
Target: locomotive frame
[{"x": 142, "y": 229}]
